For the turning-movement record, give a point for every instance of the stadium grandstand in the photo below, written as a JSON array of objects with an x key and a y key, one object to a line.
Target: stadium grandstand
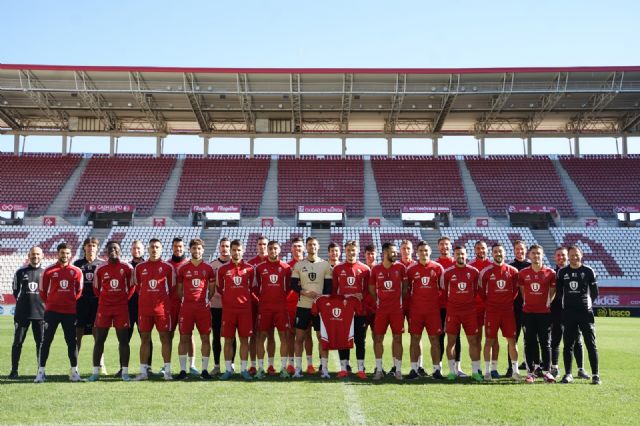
[{"x": 552, "y": 200}]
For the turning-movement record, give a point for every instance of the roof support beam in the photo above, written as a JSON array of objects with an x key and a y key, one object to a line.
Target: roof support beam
[
  {"x": 91, "y": 97},
  {"x": 245, "y": 101},
  {"x": 296, "y": 103},
  {"x": 447, "y": 102},
  {"x": 396, "y": 103},
  {"x": 547, "y": 102},
  {"x": 191, "y": 89},
  {"x": 597, "y": 102},
  {"x": 347, "y": 98},
  {"x": 138, "y": 87},
  {"x": 43, "y": 100},
  {"x": 497, "y": 104}
]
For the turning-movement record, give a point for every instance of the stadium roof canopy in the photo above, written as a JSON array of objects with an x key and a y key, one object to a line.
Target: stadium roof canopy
[{"x": 483, "y": 102}]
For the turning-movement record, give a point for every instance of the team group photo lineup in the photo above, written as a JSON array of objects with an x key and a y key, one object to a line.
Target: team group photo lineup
[{"x": 313, "y": 304}]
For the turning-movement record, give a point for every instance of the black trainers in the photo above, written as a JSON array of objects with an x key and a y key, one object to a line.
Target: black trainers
[
  {"x": 538, "y": 372},
  {"x": 554, "y": 371},
  {"x": 509, "y": 373},
  {"x": 422, "y": 372},
  {"x": 437, "y": 375},
  {"x": 413, "y": 375},
  {"x": 392, "y": 372},
  {"x": 522, "y": 366},
  {"x": 583, "y": 374},
  {"x": 118, "y": 374},
  {"x": 595, "y": 380},
  {"x": 13, "y": 375},
  {"x": 205, "y": 375},
  {"x": 567, "y": 378},
  {"x": 182, "y": 375}
]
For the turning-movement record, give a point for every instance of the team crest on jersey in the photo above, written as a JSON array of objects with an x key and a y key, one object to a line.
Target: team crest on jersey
[
  {"x": 388, "y": 284},
  {"x": 89, "y": 276},
  {"x": 573, "y": 285},
  {"x": 273, "y": 278},
  {"x": 64, "y": 284},
  {"x": 114, "y": 283},
  {"x": 462, "y": 286},
  {"x": 535, "y": 287},
  {"x": 32, "y": 286},
  {"x": 501, "y": 284},
  {"x": 196, "y": 282},
  {"x": 312, "y": 276},
  {"x": 351, "y": 281},
  {"x": 424, "y": 280},
  {"x": 237, "y": 280},
  {"x": 336, "y": 312},
  {"x": 153, "y": 284}
]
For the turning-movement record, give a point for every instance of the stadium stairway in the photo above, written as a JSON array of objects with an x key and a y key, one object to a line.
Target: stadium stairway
[
  {"x": 324, "y": 238},
  {"x": 101, "y": 234},
  {"x": 545, "y": 239},
  {"x": 269, "y": 203},
  {"x": 431, "y": 237},
  {"x": 580, "y": 205},
  {"x": 372, "y": 206},
  {"x": 210, "y": 238},
  {"x": 168, "y": 195},
  {"x": 59, "y": 205},
  {"x": 476, "y": 206}
]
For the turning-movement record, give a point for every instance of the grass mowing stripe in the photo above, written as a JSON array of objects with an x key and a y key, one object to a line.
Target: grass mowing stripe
[{"x": 354, "y": 409}]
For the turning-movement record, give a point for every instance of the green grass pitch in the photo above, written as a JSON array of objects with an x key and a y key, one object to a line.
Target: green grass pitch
[{"x": 315, "y": 401}]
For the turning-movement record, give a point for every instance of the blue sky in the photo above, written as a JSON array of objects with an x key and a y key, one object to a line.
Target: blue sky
[{"x": 321, "y": 34}]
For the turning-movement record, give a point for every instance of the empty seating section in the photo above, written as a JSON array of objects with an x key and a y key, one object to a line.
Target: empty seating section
[
  {"x": 376, "y": 236},
  {"x": 15, "y": 242},
  {"x": 611, "y": 252},
  {"x": 425, "y": 181},
  {"x": 513, "y": 179},
  {"x": 127, "y": 235},
  {"x": 124, "y": 179},
  {"x": 605, "y": 181},
  {"x": 249, "y": 236},
  {"x": 468, "y": 236},
  {"x": 328, "y": 180},
  {"x": 35, "y": 179},
  {"x": 226, "y": 180}
]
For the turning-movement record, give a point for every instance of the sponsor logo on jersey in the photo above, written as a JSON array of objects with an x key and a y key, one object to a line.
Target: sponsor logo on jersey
[
  {"x": 121, "y": 271},
  {"x": 462, "y": 286},
  {"x": 573, "y": 285},
  {"x": 336, "y": 312},
  {"x": 351, "y": 281},
  {"x": 312, "y": 276},
  {"x": 273, "y": 278},
  {"x": 64, "y": 284},
  {"x": 237, "y": 280},
  {"x": 32, "y": 286},
  {"x": 114, "y": 283},
  {"x": 501, "y": 284},
  {"x": 153, "y": 284},
  {"x": 388, "y": 284},
  {"x": 535, "y": 287}
]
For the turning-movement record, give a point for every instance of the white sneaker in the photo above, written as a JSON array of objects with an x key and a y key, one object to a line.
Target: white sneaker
[
  {"x": 516, "y": 376},
  {"x": 103, "y": 370},
  {"x": 378, "y": 375},
  {"x": 167, "y": 376},
  {"x": 398, "y": 375},
  {"x": 325, "y": 374},
  {"x": 462, "y": 374},
  {"x": 297, "y": 375},
  {"x": 487, "y": 376},
  {"x": 75, "y": 377},
  {"x": 141, "y": 376},
  {"x": 215, "y": 371},
  {"x": 40, "y": 378}
]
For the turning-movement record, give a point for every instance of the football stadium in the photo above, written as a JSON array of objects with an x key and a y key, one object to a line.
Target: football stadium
[{"x": 272, "y": 285}]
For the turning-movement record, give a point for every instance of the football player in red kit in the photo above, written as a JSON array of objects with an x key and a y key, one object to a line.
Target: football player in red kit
[{"x": 460, "y": 283}]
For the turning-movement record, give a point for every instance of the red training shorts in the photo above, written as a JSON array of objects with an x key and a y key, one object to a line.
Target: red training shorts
[
  {"x": 118, "y": 316},
  {"x": 383, "y": 319},
  {"x": 503, "y": 320},
  {"x": 199, "y": 317},
  {"x": 162, "y": 323},
  {"x": 468, "y": 320},
  {"x": 429, "y": 320},
  {"x": 267, "y": 320},
  {"x": 241, "y": 321}
]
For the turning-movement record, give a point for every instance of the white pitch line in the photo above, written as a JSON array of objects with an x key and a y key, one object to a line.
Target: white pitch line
[{"x": 354, "y": 409}]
